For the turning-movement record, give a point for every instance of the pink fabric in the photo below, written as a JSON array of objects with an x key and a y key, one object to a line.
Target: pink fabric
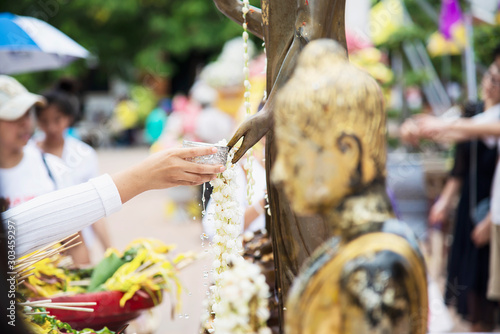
[
  {"x": 356, "y": 41},
  {"x": 189, "y": 111}
]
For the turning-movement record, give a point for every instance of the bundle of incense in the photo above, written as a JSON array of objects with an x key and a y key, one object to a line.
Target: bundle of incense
[
  {"x": 83, "y": 282},
  {"x": 26, "y": 264},
  {"x": 149, "y": 268},
  {"x": 69, "y": 306}
]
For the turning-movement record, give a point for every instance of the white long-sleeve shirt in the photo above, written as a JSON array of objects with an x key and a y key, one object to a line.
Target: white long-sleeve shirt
[
  {"x": 56, "y": 215},
  {"x": 492, "y": 115}
]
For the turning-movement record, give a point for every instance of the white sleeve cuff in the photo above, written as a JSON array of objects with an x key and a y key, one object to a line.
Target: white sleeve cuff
[{"x": 108, "y": 192}]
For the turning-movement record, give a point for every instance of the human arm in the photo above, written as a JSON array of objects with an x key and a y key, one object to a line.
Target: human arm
[
  {"x": 481, "y": 233},
  {"x": 165, "y": 169},
  {"x": 462, "y": 129},
  {"x": 252, "y": 212},
  {"x": 56, "y": 215},
  {"x": 409, "y": 132},
  {"x": 233, "y": 9},
  {"x": 441, "y": 209}
]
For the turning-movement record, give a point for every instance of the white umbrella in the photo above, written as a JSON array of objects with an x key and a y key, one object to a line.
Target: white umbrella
[{"x": 28, "y": 45}]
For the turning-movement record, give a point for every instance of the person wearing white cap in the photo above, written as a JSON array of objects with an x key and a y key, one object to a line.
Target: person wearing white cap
[
  {"x": 54, "y": 215},
  {"x": 25, "y": 172}
]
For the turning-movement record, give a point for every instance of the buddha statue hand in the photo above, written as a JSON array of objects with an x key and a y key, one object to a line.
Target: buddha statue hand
[{"x": 252, "y": 130}]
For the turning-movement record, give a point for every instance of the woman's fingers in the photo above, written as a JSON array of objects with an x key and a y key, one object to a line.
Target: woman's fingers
[
  {"x": 195, "y": 152},
  {"x": 197, "y": 178},
  {"x": 195, "y": 168}
]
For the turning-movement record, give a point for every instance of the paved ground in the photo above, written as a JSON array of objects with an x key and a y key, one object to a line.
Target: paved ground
[{"x": 144, "y": 216}]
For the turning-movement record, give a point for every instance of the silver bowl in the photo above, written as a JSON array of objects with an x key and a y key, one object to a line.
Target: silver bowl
[{"x": 218, "y": 158}]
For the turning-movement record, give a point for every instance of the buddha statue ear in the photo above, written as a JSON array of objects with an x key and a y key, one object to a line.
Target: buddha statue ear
[
  {"x": 370, "y": 171},
  {"x": 351, "y": 148}
]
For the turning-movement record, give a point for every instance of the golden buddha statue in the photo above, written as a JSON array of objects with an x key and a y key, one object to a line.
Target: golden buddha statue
[{"x": 330, "y": 135}]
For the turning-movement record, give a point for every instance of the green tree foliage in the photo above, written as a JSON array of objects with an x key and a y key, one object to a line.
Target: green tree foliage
[
  {"x": 486, "y": 39},
  {"x": 129, "y": 37}
]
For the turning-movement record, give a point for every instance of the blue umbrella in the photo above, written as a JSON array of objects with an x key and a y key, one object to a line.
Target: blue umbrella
[{"x": 28, "y": 45}]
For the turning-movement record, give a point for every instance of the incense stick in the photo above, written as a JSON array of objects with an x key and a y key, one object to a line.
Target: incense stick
[
  {"x": 47, "y": 247},
  {"x": 68, "y": 308}
]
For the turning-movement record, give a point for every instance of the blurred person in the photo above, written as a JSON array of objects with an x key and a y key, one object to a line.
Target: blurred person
[
  {"x": 181, "y": 124},
  {"x": 25, "y": 172},
  {"x": 468, "y": 263},
  {"x": 154, "y": 125},
  {"x": 487, "y": 128},
  {"x": 480, "y": 274},
  {"x": 41, "y": 215},
  {"x": 58, "y": 214},
  {"x": 72, "y": 89},
  {"x": 54, "y": 119},
  {"x": 212, "y": 124}
]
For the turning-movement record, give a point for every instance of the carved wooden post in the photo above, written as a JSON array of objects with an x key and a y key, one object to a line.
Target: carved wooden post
[{"x": 287, "y": 26}]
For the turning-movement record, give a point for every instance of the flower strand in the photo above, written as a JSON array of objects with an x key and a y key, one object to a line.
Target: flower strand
[{"x": 246, "y": 71}]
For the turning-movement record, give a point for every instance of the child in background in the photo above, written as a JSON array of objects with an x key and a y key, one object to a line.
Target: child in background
[{"x": 80, "y": 159}]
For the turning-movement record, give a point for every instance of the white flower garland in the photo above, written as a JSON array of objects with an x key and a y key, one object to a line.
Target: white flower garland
[
  {"x": 246, "y": 71},
  {"x": 227, "y": 222},
  {"x": 243, "y": 307},
  {"x": 242, "y": 284}
]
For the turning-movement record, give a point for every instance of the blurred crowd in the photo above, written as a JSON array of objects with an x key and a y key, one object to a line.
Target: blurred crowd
[{"x": 469, "y": 204}]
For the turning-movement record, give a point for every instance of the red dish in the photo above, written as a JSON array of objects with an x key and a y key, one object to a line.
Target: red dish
[{"x": 107, "y": 312}]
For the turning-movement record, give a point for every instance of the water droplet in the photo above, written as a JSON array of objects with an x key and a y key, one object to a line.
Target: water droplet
[
  {"x": 205, "y": 284},
  {"x": 190, "y": 293},
  {"x": 203, "y": 199},
  {"x": 186, "y": 316},
  {"x": 284, "y": 308},
  {"x": 181, "y": 316},
  {"x": 194, "y": 218},
  {"x": 207, "y": 293}
]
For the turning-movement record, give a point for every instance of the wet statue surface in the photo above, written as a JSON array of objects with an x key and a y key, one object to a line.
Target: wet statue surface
[
  {"x": 330, "y": 134},
  {"x": 286, "y": 27}
]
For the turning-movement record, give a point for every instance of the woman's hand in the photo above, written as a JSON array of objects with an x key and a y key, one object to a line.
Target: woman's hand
[
  {"x": 410, "y": 132},
  {"x": 252, "y": 129},
  {"x": 439, "y": 212},
  {"x": 166, "y": 169},
  {"x": 435, "y": 128},
  {"x": 481, "y": 233}
]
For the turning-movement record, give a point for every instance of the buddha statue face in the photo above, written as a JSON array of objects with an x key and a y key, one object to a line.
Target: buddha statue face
[
  {"x": 330, "y": 130},
  {"x": 318, "y": 176}
]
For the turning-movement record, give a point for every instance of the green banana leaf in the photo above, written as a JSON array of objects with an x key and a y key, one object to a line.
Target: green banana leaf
[{"x": 104, "y": 270}]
